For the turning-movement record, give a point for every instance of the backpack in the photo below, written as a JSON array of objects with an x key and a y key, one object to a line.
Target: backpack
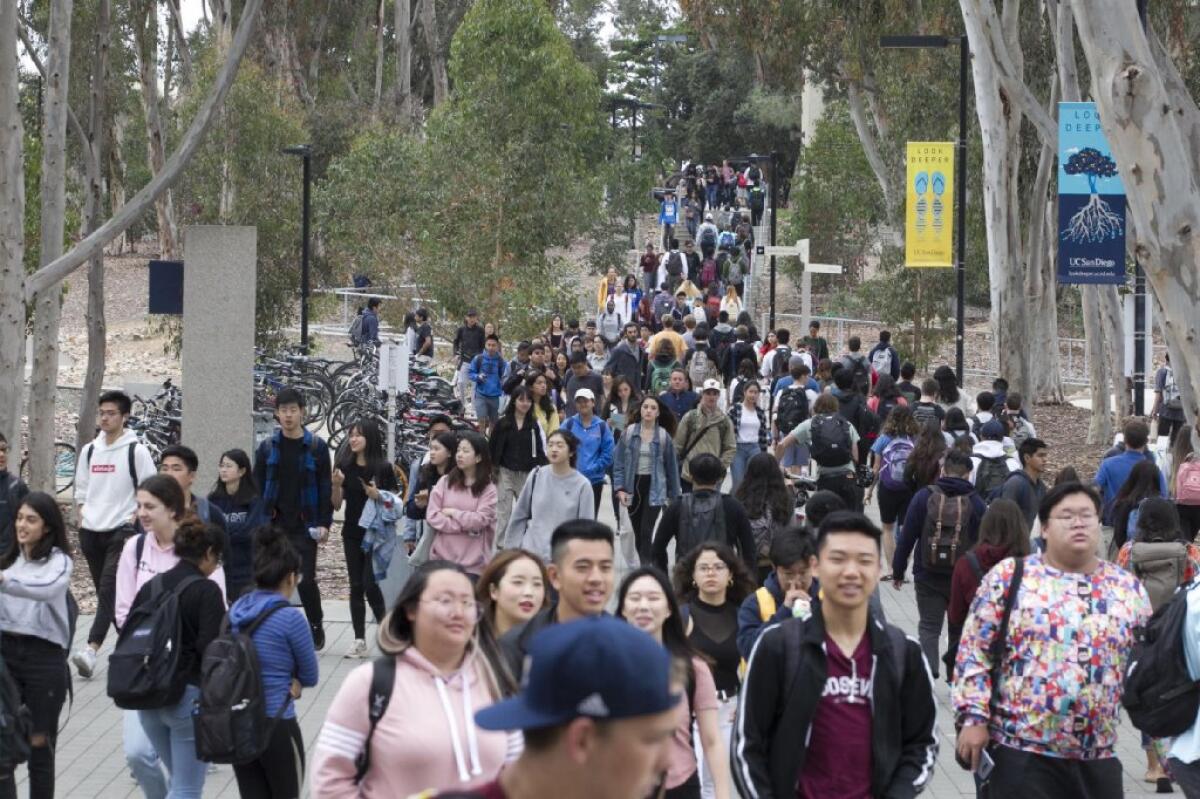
[
  {"x": 791, "y": 408},
  {"x": 881, "y": 361},
  {"x": 701, "y": 367},
  {"x": 726, "y": 240},
  {"x": 895, "y": 456},
  {"x": 383, "y": 680},
  {"x": 708, "y": 236},
  {"x": 830, "y": 445},
  {"x": 976, "y": 426},
  {"x": 860, "y": 375},
  {"x": 763, "y": 529},
  {"x": 675, "y": 264},
  {"x": 942, "y": 542},
  {"x": 924, "y": 413},
  {"x": 230, "y": 720},
  {"x": 132, "y": 456},
  {"x": 1187, "y": 482},
  {"x": 660, "y": 376},
  {"x": 735, "y": 272},
  {"x": 1022, "y": 431},
  {"x": 1159, "y": 694},
  {"x": 1171, "y": 398},
  {"x": 1160, "y": 566},
  {"x": 700, "y": 519},
  {"x": 356, "y": 327},
  {"x": 708, "y": 272},
  {"x": 990, "y": 475},
  {"x": 16, "y": 723},
  {"x": 144, "y": 665},
  {"x": 779, "y": 361}
]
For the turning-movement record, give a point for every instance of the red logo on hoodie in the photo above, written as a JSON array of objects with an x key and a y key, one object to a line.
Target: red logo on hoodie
[{"x": 103, "y": 468}]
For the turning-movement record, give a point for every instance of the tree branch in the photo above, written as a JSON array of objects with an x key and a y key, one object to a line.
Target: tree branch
[
  {"x": 870, "y": 143},
  {"x": 85, "y": 142},
  {"x": 62, "y": 266}
]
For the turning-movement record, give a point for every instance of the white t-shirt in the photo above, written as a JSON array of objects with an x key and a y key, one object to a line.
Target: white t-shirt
[{"x": 747, "y": 432}]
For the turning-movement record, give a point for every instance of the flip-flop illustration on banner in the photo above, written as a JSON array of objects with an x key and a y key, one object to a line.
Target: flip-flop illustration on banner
[{"x": 921, "y": 187}]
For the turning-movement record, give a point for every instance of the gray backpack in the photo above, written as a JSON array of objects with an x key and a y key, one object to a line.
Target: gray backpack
[
  {"x": 1160, "y": 566},
  {"x": 700, "y": 519}
]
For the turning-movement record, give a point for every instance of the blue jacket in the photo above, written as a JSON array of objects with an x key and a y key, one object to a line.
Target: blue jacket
[
  {"x": 370, "y": 326},
  {"x": 378, "y": 522},
  {"x": 284, "y": 646},
  {"x": 750, "y": 622},
  {"x": 488, "y": 373},
  {"x": 1113, "y": 473},
  {"x": 240, "y": 523},
  {"x": 680, "y": 403},
  {"x": 595, "y": 447},
  {"x": 914, "y": 523},
  {"x": 664, "y": 474}
]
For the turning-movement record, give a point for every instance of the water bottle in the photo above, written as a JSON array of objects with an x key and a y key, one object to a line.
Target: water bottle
[{"x": 314, "y": 533}]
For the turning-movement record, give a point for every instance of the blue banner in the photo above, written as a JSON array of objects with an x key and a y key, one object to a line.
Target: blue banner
[{"x": 1091, "y": 200}]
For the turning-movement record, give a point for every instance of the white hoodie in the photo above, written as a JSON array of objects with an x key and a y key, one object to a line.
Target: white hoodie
[
  {"x": 104, "y": 488},
  {"x": 992, "y": 449}
]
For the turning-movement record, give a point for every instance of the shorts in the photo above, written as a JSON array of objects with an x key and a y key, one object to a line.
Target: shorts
[
  {"x": 486, "y": 407},
  {"x": 893, "y": 505}
]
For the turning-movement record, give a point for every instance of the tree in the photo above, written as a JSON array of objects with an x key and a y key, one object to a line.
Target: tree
[{"x": 12, "y": 228}]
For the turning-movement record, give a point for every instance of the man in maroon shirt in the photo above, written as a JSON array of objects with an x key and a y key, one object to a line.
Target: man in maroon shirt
[{"x": 839, "y": 703}]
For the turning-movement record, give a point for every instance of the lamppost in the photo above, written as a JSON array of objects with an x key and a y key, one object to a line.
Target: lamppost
[
  {"x": 305, "y": 153},
  {"x": 960, "y": 181}
]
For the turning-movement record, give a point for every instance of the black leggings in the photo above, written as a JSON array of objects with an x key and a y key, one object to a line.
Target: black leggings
[
  {"x": 39, "y": 668},
  {"x": 310, "y": 593},
  {"x": 643, "y": 516},
  {"x": 361, "y": 573},
  {"x": 102, "y": 550},
  {"x": 279, "y": 773}
]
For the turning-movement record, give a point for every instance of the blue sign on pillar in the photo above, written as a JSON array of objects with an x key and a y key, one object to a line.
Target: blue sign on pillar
[
  {"x": 166, "y": 287},
  {"x": 1091, "y": 200}
]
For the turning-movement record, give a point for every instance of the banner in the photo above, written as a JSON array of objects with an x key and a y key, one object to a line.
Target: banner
[
  {"x": 929, "y": 209},
  {"x": 1091, "y": 200}
]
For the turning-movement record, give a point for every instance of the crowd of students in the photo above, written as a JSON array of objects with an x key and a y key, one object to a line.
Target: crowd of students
[{"x": 762, "y": 662}]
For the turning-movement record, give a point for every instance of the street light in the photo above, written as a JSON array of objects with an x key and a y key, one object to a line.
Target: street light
[
  {"x": 960, "y": 182},
  {"x": 305, "y": 153}
]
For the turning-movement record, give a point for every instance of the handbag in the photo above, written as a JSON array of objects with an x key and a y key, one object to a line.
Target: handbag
[{"x": 420, "y": 554}]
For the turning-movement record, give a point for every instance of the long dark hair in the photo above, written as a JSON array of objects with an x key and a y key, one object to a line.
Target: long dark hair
[
  {"x": 247, "y": 491},
  {"x": 274, "y": 557},
  {"x": 373, "y": 452},
  {"x": 396, "y": 631},
  {"x": 1141, "y": 483},
  {"x": 614, "y": 399},
  {"x": 429, "y": 475},
  {"x": 666, "y": 417},
  {"x": 925, "y": 460},
  {"x": 674, "y": 638},
  {"x": 53, "y": 535},
  {"x": 947, "y": 384},
  {"x": 763, "y": 489},
  {"x": 509, "y": 417},
  {"x": 900, "y": 422},
  {"x": 1004, "y": 526},
  {"x": 741, "y": 586},
  {"x": 885, "y": 388},
  {"x": 544, "y": 403},
  {"x": 1158, "y": 520},
  {"x": 483, "y": 469},
  {"x": 956, "y": 421}
]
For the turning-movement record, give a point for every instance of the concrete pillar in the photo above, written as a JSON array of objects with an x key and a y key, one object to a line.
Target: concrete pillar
[{"x": 218, "y": 343}]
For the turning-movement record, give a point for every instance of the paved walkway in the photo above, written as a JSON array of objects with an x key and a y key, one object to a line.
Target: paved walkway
[{"x": 91, "y": 763}]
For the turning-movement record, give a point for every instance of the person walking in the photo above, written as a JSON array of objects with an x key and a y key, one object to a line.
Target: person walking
[
  {"x": 883, "y": 357},
  {"x": 705, "y": 430},
  {"x": 791, "y": 580},
  {"x": 647, "y": 601},
  {"x": 113, "y": 466},
  {"x": 649, "y": 263},
  {"x": 833, "y": 446},
  {"x": 1059, "y": 712},
  {"x": 751, "y": 430},
  {"x": 768, "y": 503},
  {"x": 438, "y": 462},
  {"x": 236, "y": 497},
  {"x": 363, "y": 473},
  {"x": 181, "y": 463},
  {"x": 704, "y": 514},
  {"x": 35, "y": 634},
  {"x": 581, "y": 377},
  {"x": 645, "y": 472},
  {"x": 1168, "y": 405},
  {"x": 293, "y": 468},
  {"x": 287, "y": 663},
  {"x": 1025, "y": 487},
  {"x": 517, "y": 447},
  {"x": 711, "y": 582},
  {"x": 424, "y": 736},
  {"x": 197, "y": 547},
  {"x": 487, "y": 372},
  {"x": 678, "y": 396},
  {"x": 462, "y": 508},
  {"x": 891, "y": 449},
  {"x": 837, "y": 702},
  {"x": 511, "y": 591},
  {"x": 468, "y": 342},
  {"x": 595, "y": 443}
]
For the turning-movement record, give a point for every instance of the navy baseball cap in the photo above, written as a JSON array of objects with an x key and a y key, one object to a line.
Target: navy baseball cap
[
  {"x": 598, "y": 667},
  {"x": 992, "y": 431}
]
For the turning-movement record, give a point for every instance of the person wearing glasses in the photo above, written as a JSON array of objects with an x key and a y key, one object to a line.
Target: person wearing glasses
[
  {"x": 1049, "y": 727},
  {"x": 426, "y": 738}
]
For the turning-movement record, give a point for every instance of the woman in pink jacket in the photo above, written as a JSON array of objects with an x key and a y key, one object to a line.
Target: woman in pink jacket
[
  {"x": 462, "y": 508},
  {"x": 426, "y": 738}
]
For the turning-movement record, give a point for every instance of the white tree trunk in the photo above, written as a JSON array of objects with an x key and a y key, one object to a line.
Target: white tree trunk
[
  {"x": 892, "y": 199},
  {"x": 1040, "y": 281},
  {"x": 403, "y": 24},
  {"x": 117, "y": 170},
  {"x": 145, "y": 27},
  {"x": 437, "y": 62},
  {"x": 378, "y": 97},
  {"x": 48, "y": 303},
  {"x": 12, "y": 231},
  {"x": 1152, "y": 123}
]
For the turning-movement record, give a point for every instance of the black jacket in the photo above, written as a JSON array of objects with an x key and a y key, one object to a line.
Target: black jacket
[
  {"x": 785, "y": 677},
  {"x": 738, "y": 534},
  {"x": 201, "y": 610},
  {"x": 468, "y": 342},
  {"x": 628, "y": 361},
  {"x": 12, "y": 491},
  {"x": 518, "y": 449}
]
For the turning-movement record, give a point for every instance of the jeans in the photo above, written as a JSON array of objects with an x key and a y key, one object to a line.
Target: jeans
[
  {"x": 509, "y": 483},
  {"x": 102, "y": 550},
  {"x": 648, "y": 280},
  {"x": 170, "y": 731},
  {"x": 310, "y": 593},
  {"x": 642, "y": 517},
  {"x": 710, "y": 191},
  {"x": 487, "y": 409},
  {"x": 1031, "y": 776},
  {"x": 39, "y": 670},
  {"x": 363, "y": 588},
  {"x": 141, "y": 758},
  {"x": 279, "y": 771},
  {"x": 933, "y": 597},
  {"x": 725, "y": 713},
  {"x": 741, "y": 459}
]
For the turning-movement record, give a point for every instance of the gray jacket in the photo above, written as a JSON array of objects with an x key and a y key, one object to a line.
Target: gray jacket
[
  {"x": 34, "y": 598},
  {"x": 546, "y": 501}
]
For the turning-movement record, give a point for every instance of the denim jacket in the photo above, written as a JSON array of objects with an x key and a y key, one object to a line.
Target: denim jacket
[{"x": 664, "y": 474}]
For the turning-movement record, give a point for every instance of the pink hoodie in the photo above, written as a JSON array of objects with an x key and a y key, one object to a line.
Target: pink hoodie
[
  {"x": 426, "y": 740},
  {"x": 465, "y": 539},
  {"x": 156, "y": 559}
]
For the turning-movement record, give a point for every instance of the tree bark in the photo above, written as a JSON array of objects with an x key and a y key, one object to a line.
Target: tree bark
[
  {"x": 1152, "y": 123},
  {"x": 437, "y": 61},
  {"x": 403, "y": 24},
  {"x": 1040, "y": 287},
  {"x": 145, "y": 31},
  {"x": 117, "y": 170},
  {"x": 870, "y": 144},
  {"x": 378, "y": 97},
  {"x": 12, "y": 231},
  {"x": 93, "y": 377},
  {"x": 48, "y": 302},
  {"x": 185, "y": 52}
]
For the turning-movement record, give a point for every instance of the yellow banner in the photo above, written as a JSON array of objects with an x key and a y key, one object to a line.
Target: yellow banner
[{"x": 929, "y": 205}]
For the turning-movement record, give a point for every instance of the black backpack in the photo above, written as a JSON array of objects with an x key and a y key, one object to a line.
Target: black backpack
[
  {"x": 779, "y": 362},
  {"x": 700, "y": 519},
  {"x": 1160, "y": 696},
  {"x": 991, "y": 476},
  {"x": 230, "y": 722},
  {"x": 383, "y": 680},
  {"x": 791, "y": 409},
  {"x": 16, "y": 723},
  {"x": 830, "y": 445},
  {"x": 675, "y": 264},
  {"x": 860, "y": 374},
  {"x": 143, "y": 666}
]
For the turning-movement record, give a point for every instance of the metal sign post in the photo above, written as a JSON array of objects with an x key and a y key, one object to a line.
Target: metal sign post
[{"x": 393, "y": 380}]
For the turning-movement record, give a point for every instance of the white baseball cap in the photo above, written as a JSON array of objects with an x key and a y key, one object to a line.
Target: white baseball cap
[
  {"x": 710, "y": 384},
  {"x": 585, "y": 393}
]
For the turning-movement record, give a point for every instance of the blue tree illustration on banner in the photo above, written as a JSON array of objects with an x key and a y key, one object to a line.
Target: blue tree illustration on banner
[{"x": 1094, "y": 222}]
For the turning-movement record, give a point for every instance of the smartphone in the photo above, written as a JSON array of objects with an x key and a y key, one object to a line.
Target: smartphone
[{"x": 986, "y": 764}]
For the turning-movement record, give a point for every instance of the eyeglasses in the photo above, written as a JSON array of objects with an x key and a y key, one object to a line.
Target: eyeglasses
[
  {"x": 712, "y": 568},
  {"x": 446, "y": 605},
  {"x": 1087, "y": 517}
]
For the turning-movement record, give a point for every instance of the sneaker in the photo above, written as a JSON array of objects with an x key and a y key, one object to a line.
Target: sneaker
[
  {"x": 85, "y": 662},
  {"x": 358, "y": 649},
  {"x": 318, "y": 635}
]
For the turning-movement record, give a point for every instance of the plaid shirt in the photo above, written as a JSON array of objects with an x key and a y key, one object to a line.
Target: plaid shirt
[
  {"x": 764, "y": 431},
  {"x": 316, "y": 506}
]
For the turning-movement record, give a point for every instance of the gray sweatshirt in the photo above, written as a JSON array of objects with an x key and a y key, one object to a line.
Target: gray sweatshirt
[
  {"x": 33, "y": 598},
  {"x": 547, "y": 501}
]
